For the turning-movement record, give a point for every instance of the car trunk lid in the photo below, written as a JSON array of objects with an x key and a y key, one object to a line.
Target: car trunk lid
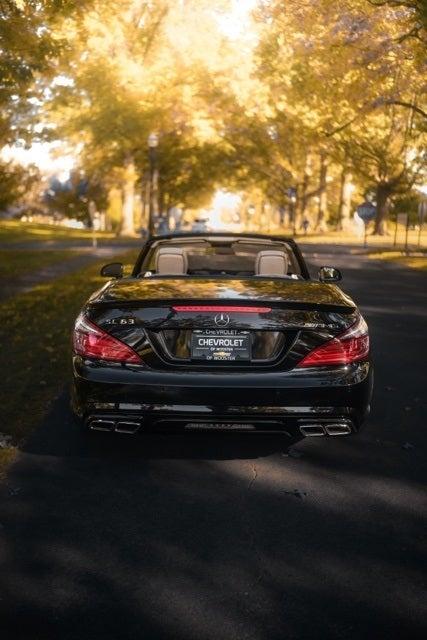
[
  {"x": 287, "y": 293},
  {"x": 170, "y": 318}
]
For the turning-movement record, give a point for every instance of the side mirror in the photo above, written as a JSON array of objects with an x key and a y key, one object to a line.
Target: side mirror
[
  {"x": 112, "y": 270},
  {"x": 329, "y": 274}
]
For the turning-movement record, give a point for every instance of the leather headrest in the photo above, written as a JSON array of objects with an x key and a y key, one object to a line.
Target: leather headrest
[
  {"x": 171, "y": 261},
  {"x": 271, "y": 263}
]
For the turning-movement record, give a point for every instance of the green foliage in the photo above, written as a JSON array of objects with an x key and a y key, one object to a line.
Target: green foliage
[
  {"x": 146, "y": 68},
  {"x": 412, "y": 12},
  {"x": 72, "y": 199},
  {"x": 407, "y": 203},
  {"x": 334, "y": 88},
  {"x": 345, "y": 84},
  {"x": 29, "y": 47},
  {"x": 15, "y": 182}
]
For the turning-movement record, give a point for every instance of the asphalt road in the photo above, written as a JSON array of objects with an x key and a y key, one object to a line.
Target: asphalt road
[{"x": 215, "y": 537}]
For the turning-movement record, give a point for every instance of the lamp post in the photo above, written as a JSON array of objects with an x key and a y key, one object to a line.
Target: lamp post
[
  {"x": 292, "y": 195},
  {"x": 153, "y": 210},
  {"x": 250, "y": 216}
]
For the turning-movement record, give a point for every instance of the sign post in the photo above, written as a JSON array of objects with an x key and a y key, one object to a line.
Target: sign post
[
  {"x": 403, "y": 219},
  {"x": 94, "y": 217},
  {"x": 406, "y": 233},
  {"x": 422, "y": 214},
  {"x": 366, "y": 212}
]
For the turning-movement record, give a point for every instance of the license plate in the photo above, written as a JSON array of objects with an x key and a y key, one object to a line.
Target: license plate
[{"x": 215, "y": 345}]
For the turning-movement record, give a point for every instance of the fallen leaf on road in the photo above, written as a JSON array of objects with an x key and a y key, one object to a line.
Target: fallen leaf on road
[
  {"x": 297, "y": 493},
  {"x": 294, "y": 453},
  {"x": 408, "y": 446}
]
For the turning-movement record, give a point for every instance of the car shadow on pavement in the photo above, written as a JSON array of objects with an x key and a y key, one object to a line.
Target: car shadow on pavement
[{"x": 61, "y": 435}]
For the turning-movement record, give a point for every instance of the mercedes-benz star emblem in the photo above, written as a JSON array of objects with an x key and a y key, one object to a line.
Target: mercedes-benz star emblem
[{"x": 222, "y": 319}]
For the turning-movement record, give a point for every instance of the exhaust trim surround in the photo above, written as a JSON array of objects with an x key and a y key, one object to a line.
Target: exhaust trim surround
[
  {"x": 338, "y": 429},
  {"x": 312, "y": 430},
  {"x": 127, "y": 426},
  {"x": 101, "y": 425},
  {"x": 114, "y": 425},
  {"x": 333, "y": 428}
]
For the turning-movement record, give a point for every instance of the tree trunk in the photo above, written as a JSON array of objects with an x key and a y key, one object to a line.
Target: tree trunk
[
  {"x": 292, "y": 209},
  {"x": 162, "y": 204},
  {"x": 383, "y": 194},
  {"x": 302, "y": 202},
  {"x": 262, "y": 218},
  {"x": 344, "y": 207},
  {"x": 146, "y": 206},
  {"x": 323, "y": 202},
  {"x": 128, "y": 225}
]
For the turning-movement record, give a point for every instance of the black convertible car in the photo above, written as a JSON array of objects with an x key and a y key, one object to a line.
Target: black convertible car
[{"x": 221, "y": 332}]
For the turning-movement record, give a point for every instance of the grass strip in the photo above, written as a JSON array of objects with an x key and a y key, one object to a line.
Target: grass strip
[
  {"x": 15, "y": 231},
  {"x": 413, "y": 262},
  {"x": 15, "y": 263},
  {"x": 349, "y": 238},
  {"x": 35, "y": 334}
]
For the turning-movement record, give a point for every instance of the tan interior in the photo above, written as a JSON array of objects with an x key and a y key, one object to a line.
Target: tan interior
[
  {"x": 171, "y": 261},
  {"x": 271, "y": 263}
]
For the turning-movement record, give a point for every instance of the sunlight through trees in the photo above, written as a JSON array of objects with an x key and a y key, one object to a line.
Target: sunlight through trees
[{"x": 301, "y": 107}]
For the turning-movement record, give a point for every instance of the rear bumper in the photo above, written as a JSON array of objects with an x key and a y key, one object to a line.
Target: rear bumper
[{"x": 253, "y": 402}]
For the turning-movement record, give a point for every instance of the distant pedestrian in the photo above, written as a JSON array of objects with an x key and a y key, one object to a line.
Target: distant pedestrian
[{"x": 305, "y": 224}]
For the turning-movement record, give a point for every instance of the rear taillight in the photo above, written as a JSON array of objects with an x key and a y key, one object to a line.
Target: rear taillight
[
  {"x": 350, "y": 346},
  {"x": 92, "y": 342}
]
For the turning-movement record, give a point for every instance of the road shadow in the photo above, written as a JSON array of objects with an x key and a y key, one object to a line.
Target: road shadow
[
  {"x": 61, "y": 435},
  {"x": 205, "y": 537},
  {"x": 122, "y": 542}
]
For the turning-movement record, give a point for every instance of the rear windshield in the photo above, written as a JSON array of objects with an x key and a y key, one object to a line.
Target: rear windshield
[{"x": 210, "y": 258}]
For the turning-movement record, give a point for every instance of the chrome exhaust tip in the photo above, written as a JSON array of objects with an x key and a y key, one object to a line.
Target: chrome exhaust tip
[
  {"x": 338, "y": 429},
  {"x": 312, "y": 430},
  {"x": 101, "y": 425},
  {"x": 127, "y": 426}
]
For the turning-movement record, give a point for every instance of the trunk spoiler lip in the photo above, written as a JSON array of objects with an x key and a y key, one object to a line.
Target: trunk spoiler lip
[{"x": 271, "y": 305}]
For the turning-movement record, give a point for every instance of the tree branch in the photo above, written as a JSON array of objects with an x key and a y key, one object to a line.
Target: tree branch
[
  {"x": 375, "y": 105},
  {"x": 407, "y": 105}
]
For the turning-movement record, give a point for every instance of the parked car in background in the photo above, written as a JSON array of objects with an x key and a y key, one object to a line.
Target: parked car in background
[{"x": 200, "y": 224}]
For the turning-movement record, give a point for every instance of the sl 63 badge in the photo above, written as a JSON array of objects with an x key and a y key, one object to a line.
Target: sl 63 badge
[{"x": 120, "y": 321}]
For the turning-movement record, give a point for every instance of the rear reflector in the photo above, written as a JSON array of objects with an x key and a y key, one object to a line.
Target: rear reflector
[
  {"x": 350, "y": 346},
  {"x": 92, "y": 342},
  {"x": 226, "y": 309}
]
